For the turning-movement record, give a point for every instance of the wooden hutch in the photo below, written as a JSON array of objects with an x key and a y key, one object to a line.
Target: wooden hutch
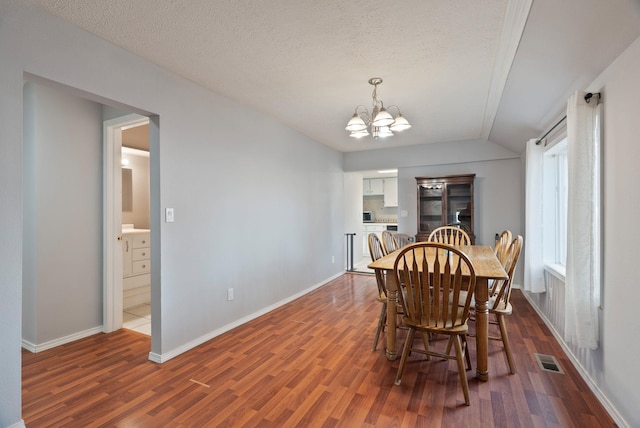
[{"x": 445, "y": 201}]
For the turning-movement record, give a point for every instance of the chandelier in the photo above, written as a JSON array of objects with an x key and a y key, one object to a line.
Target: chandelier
[{"x": 380, "y": 123}]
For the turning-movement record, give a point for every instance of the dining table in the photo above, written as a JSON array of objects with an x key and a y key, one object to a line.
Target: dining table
[{"x": 486, "y": 266}]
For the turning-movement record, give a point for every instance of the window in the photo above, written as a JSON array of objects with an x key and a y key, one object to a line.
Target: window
[{"x": 555, "y": 205}]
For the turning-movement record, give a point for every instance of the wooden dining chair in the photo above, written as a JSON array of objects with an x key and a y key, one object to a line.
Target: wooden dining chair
[
  {"x": 430, "y": 302},
  {"x": 499, "y": 299},
  {"x": 388, "y": 242},
  {"x": 451, "y": 235},
  {"x": 500, "y": 296},
  {"x": 377, "y": 251},
  {"x": 402, "y": 240},
  {"x": 502, "y": 245}
]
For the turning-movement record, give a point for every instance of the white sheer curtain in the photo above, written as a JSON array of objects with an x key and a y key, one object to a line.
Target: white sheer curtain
[
  {"x": 533, "y": 264},
  {"x": 582, "y": 286}
]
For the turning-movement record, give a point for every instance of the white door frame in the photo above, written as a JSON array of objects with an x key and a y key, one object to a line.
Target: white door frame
[{"x": 112, "y": 218}]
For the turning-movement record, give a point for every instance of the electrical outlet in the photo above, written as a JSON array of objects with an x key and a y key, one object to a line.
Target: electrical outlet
[
  {"x": 333, "y": 259},
  {"x": 229, "y": 294}
]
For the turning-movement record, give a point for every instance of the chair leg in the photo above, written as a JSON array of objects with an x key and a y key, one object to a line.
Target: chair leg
[
  {"x": 425, "y": 341},
  {"x": 461, "y": 370},
  {"x": 382, "y": 320},
  {"x": 466, "y": 351},
  {"x": 405, "y": 353},
  {"x": 505, "y": 341},
  {"x": 465, "y": 348}
]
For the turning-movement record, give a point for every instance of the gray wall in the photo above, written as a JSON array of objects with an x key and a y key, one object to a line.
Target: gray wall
[
  {"x": 258, "y": 206},
  {"x": 621, "y": 87},
  {"x": 62, "y": 253},
  {"x": 613, "y": 366},
  {"x": 353, "y": 213}
]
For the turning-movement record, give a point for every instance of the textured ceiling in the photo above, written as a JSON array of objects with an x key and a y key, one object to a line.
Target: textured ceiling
[{"x": 445, "y": 63}]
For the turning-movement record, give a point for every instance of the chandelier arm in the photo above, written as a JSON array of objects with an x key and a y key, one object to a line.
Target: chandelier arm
[
  {"x": 396, "y": 107},
  {"x": 364, "y": 115}
]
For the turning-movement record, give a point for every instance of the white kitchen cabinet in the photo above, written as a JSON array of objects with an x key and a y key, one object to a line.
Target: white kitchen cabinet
[
  {"x": 372, "y": 186},
  {"x": 136, "y": 268},
  {"x": 391, "y": 192}
]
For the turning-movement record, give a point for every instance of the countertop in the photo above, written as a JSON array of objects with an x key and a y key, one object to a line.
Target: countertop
[
  {"x": 380, "y": 222},
  {"x": 131, "y": 230}
]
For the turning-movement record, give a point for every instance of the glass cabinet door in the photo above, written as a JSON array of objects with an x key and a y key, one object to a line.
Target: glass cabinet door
[
  {"x": 430, "y": 207},
  {"x": 459, "y": 205}
]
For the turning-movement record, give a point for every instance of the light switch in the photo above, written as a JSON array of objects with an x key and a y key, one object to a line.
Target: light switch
[
  {"x": 168, "y": 215},
  {"x": 404, "y": 213}
]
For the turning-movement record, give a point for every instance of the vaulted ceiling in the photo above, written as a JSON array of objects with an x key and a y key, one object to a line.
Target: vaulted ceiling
[{"x": 463, "y": 70}]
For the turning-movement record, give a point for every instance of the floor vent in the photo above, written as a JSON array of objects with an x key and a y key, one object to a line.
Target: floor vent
[{"x": 548, "y": 363}]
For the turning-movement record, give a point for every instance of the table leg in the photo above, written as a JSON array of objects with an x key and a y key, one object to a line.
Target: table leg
[
  {"x": 482, "y": 329},
  {"x": 392, "y": 316}
]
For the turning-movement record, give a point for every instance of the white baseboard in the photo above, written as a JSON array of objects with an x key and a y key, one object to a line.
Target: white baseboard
[
  {"x": 164, "y": 357},
  {"x": 35, "y": 348},
  {"x": 19, "y": 424},
  {"x": 613, "y": 412}
]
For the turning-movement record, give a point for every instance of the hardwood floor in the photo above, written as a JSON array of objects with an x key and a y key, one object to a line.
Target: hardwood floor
[{"x": 307, "y": 364}]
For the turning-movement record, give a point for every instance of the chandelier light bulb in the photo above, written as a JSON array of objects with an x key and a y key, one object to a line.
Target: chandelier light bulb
[
  {"x": 359, "y": 134},
  {"x": 356, "y": 123},
  {"x": 400, "y": 124},
  {"x": 383, "y": 118}
]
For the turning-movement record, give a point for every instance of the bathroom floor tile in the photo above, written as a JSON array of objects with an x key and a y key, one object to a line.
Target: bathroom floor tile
[
  {"x": 135, "y": 323},
  {"x": 140, "y": 311},
  {"x": 138, "y": 319}
]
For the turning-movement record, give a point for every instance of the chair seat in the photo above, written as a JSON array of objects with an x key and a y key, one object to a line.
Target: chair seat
[
  {"x": 448, "y": 328},
  {"x": 501, "y": 308},
  {"x": 438, "y": 330}
]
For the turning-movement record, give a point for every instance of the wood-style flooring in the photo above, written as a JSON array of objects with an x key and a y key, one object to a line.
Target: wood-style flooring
[{"x": 306, "y": 364}]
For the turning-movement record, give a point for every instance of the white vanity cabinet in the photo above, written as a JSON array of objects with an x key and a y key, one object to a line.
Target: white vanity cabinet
[{"x": 136, "y": 267}]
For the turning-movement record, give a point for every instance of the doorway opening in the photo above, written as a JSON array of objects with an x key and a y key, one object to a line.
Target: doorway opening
[
  {"x": 127, "y": 285},
  {"x": 136, "y": 229},
  {"x": 373, "y": 208}
]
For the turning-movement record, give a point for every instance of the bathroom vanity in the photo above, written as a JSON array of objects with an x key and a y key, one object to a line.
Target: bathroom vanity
[{"x": 136, "y": 267}]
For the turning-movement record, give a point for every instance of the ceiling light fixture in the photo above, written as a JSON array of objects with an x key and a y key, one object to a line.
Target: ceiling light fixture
[{"x": 380, "y": 123}]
